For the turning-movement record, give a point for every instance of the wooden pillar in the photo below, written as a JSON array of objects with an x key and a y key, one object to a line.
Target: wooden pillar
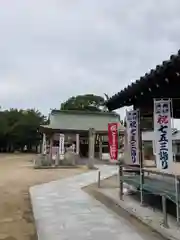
[
  {"x": 91, "y": 148},
  {"x": 100, "y": 147},
  {"x": 77, "y": 144},
  {"x": 50, "y": 147}
]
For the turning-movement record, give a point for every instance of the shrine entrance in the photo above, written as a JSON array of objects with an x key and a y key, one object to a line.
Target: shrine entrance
[
  {"x": 84, "y": 145},
  {"x": 76, "y": 134}
]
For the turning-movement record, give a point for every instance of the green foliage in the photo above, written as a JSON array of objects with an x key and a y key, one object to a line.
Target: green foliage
[
  {"x": 123, "y": 123},
  {"x": 88, "y": 102},
  {"x": 19, "y": 128},
  {"x": 106, "y": 97}
]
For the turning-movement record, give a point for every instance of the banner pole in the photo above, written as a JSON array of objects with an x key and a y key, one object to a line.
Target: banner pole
[
  {"x": 118, "y": 142},
  {"x": 176, "y": 178},
  {"x": 140, "y": 140},
  {"x": 154, "y": 139},
  {"x": 140, "y": 158}
]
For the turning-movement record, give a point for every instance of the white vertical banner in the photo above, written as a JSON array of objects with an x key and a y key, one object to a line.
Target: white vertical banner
[
  {"x": 163, "y": 134},
  {"x": 44, "y": 146},
  {"x": 61, "y": 146},
  {"x": 132, "y": 118}
]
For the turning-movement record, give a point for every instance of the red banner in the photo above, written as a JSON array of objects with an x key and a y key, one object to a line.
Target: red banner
[{"x": 113, "y": 140}]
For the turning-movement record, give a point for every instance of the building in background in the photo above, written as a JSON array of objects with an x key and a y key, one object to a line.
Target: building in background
[
  {"x": 149, "y": 147},
  {"x": 75, "y": 126}
]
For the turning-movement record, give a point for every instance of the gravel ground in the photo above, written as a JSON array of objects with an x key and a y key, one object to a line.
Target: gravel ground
[{"x": 16, "y": 176}]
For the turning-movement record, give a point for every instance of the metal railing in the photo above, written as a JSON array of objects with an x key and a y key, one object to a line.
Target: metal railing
[{"x": 169, "y": 186}]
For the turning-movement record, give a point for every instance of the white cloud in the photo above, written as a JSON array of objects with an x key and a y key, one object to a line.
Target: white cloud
[{"x": 53, "y": 49}]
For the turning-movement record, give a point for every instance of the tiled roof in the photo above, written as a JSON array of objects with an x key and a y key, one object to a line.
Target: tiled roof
[
  {"x": 73, "y": 120},
  {"x": 128, "y": 95}
]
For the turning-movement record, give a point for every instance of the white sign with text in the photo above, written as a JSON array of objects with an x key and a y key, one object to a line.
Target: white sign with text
[{"x": 163, "y": 134}]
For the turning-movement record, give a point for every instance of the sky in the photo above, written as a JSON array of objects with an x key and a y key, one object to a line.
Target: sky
[{"x": 51, "y": 50}]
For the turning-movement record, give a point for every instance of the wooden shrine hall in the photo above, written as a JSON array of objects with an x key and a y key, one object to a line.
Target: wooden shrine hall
[{"x": 83, "y": 131}]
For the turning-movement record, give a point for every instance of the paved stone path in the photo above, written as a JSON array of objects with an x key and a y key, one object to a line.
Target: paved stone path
[{"x": 63, "y": 211}]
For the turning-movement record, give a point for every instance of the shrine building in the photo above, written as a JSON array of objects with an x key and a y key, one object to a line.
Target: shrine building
[{"x": 75, "y": 126}]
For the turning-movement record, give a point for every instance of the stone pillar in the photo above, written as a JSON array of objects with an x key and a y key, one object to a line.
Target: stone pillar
[
  {"x": 44, "y": 146},
  {"x": 100, "y": 147},
  {"x": 77, "y": 144},
  {"x": 91, "y": 148},
  {"x": 73, "y": 147}
]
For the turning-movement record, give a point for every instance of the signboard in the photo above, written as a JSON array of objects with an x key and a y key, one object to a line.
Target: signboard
[
  {"x": 163, "y": 134},
  {"x": 113, "y": 140},
  {"x": 61, "y": 146},
  {"x": 132, "y": 118}
]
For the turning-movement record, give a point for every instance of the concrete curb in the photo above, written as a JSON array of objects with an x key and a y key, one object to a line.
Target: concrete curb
[{"x": 128, "y": 214}]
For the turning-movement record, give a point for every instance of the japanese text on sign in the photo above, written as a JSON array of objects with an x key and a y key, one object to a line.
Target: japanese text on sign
[
  {"x": 163, "y": 133},
  {"x": 132, "y": 119},
  {"x": 113, "y": 140}
]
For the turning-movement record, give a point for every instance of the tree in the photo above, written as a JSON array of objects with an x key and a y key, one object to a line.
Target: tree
[
  {"x": 123, "y": 122},
  {"x": 106, "y": 96},
  {"x": 87, "y": 102},
  {"x": 19, "y": 128}
]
